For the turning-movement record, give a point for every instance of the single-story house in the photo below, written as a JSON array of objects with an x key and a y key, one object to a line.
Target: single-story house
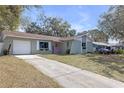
[{"x": 27, "y": 43}]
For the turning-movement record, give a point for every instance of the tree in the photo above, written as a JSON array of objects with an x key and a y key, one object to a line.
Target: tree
[
  {"x": 9, "y": 17},
  {"x": 25, "y": 19},
  {"x": 112, "y": 22},
  {"x": 96, "y": 35},
  {"x": 72, "y": 32},
  {"x": 33, "y": 28},
  {"x": 82, "y": 33},
  {"x": 52, "y": 26}
]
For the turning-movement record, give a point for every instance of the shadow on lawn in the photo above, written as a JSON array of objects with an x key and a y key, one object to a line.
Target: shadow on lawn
[
  {"x": 113, "y": 69},
  {"x": 117, "y": 66}
]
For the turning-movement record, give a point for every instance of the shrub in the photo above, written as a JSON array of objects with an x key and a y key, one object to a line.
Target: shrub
[
  {"x": 5, "y": 52},
  {"x": 68, "y": 51},
  {"x": 119, "y": 51}
]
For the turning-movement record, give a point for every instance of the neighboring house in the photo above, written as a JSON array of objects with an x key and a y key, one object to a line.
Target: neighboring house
[{"x": 26, "y": 43}]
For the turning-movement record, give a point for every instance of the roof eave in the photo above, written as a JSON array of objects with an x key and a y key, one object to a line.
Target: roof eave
[{"x": 30, "y": 38}]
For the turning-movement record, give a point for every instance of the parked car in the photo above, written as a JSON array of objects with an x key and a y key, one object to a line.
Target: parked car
[{"x": 104, "y": 51}]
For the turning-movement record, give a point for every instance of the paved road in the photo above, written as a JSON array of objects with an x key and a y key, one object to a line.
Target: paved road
[{"x": 69, "y": 76}]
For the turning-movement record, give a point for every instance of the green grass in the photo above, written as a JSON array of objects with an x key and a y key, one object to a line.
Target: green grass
[
  {"x": 16, "y": 73},
  {"x": 111, "y": 66}
]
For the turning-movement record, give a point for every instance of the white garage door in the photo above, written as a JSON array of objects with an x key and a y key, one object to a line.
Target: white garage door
[{"x": 21, "y": 47}]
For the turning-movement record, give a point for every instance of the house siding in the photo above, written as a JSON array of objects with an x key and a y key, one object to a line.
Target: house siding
[
  {"x": 64, "y": 47},
  {"x": 89, "y": 47},
  {"x": 9, "y": 40},
  {"x": 76, "y": 47},
  {"x": 1, "y": 46},
  {"x": 34, "y": 47}
]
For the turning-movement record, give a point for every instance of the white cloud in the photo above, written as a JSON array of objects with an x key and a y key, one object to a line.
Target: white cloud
[
  {"x": 84, "y": 17},
  {"x": 52, "y": 14},
  {"x": 82, "y": 24},
  {"x": 81, "y": 27},
  {"x": 78, "y": 27}
]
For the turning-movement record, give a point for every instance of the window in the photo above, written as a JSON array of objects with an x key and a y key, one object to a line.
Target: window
[
  {"x": 43, "y": 46},
  {"x": 83, "y": 45}
]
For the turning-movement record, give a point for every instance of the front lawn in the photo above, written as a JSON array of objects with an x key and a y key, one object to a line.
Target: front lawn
[
  {"x": 111, "y": 66},
  {"x": 16, "y": 73}
]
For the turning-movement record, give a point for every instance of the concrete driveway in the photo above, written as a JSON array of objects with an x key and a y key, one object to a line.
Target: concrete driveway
[{"x": 69, "y": 76}]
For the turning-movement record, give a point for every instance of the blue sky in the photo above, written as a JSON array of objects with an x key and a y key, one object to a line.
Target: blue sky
[{"x": 81, "y": 18}]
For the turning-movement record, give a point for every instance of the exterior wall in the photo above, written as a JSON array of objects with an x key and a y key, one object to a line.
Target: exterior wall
[
  {"x": 34, "y": 50},
  {"x": 57, "y": 47},
  {"x": 9, "y": 40},
  {"x": 1, "y": 46},
  {"x": 90, "y": 47},
  {"x": 95, "y": 47},
  {"x": 65, "y": 46},
  {"x": 76, "y": 47},
  {"x": 1, "y": 36}
]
